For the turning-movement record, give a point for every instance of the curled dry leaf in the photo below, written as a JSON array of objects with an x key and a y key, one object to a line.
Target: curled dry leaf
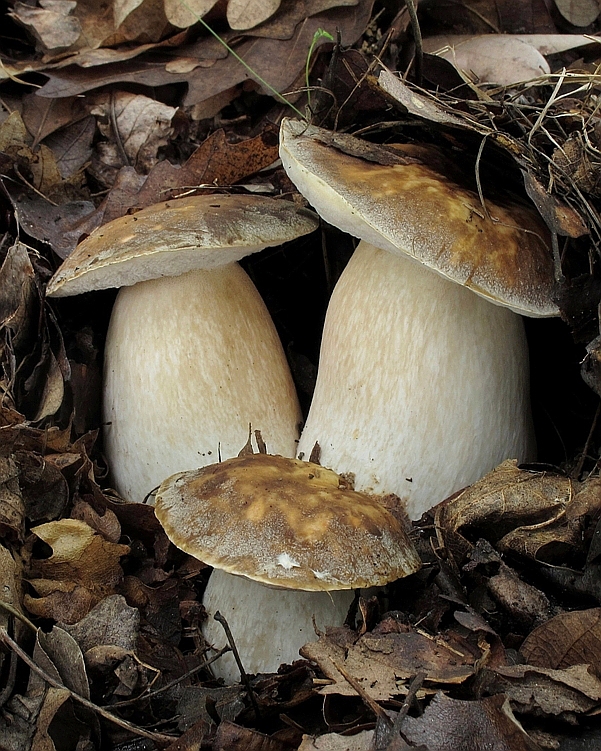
[
  {"x": 54, "y": 24},
  {"x": 501, "y": 59},
  {"x": 83, "y": 565},
  {"x": 362, "y": 741},
  {"x": 568, "y": 639},
  {"x": 504, "y": 499},
  {"x": 553, "y": 692}
]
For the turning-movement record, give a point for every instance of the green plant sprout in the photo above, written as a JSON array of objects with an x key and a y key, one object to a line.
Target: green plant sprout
[{"x": 319, "y": 34}]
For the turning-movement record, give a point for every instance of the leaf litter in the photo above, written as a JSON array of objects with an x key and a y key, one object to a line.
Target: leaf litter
[{"x": 495, "y": 641}]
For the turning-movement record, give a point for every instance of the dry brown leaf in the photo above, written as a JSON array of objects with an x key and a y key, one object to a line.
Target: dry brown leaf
[
  {"x": 245, "y": 14},
  {"x": 276, "y": 61},
  {"x": 451, "y": 724},
  {"x": 566, "y": 640},
  {"x": 554, "y": 692},
  {"x": 53, "y": 24},
  {"x": 17, "y": 295},
  {"x": 559, "y": 217},
  {"x": 382, "y": 664},
  {"x": 334, "y": 742},
  {"x": 144, "y": 125},
  {"x": 72, "y": 146},
  {"x": 232, "y": 737},
  {"x": 492, "y": 58},
  {"x": 44, "y": 116},
  {"x": 12, "y": 508},
  {"x": 182, "y": 16},
  {"x": 291, "y": 13},
  {"x": 501, "y": 501},
  {"x": 80, "y": 559},
  {"x": 11, "y": 589}
]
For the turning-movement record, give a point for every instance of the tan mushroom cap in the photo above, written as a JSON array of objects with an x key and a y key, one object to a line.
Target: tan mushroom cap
[
  {"x": 170, "y": 238},
  {"x": 284, "y": 522},
  {"x": 410, "y": 208}
]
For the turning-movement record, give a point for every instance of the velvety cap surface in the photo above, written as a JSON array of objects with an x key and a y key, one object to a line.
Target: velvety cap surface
[
  {"x": 409, "y": 207},
  {"x": 170, "y": 238},
  {"x": 284, "y": 522}
]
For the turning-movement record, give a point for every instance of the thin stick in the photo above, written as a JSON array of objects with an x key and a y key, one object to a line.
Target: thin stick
[
  {"x": 245, "y": 679},
  {"x": 175, "y": 681},
  {"x": 417, "y": 38},
  {"x": 414, "y": 687},
  {"x": 158, "y": 738}
]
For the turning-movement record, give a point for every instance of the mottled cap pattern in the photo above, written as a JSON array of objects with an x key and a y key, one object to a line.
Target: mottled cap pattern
[
  {"x": 502, "y": 252},
  {"x": 170, "y": 238},
  {"x": 284, "y": 522}
]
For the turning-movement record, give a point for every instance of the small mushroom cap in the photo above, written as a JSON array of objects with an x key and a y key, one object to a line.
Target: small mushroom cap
[
  {"x": 285, "y": 523},
  {"x": 170, "y": 238},
  {"x": 408, "y": 207}
]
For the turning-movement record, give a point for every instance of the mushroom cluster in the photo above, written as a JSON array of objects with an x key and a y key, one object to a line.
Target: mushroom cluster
[
  {"x": 192, "y": 356},
  {"x": 423, "y": 379},
  {"x": 289, "y": 541}
]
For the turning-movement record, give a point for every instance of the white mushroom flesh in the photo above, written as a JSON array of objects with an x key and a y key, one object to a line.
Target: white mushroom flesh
[
  {"x": 190, "y": 362},
  {"x": 422, "y": 386},
  {"x": 269, "y": 625}
]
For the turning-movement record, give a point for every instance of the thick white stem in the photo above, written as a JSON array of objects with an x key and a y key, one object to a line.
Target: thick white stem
[
  {"x": 190, "y": 362},
  {"x": 269, "y": 625},
  {"x": 422, "y": 385}
]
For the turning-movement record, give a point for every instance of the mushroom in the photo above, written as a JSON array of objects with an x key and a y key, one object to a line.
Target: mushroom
[
  {"x": 289, "y": 541},
  {"x": 422, "y": 386},
  {"x": 192, "y": 356}
]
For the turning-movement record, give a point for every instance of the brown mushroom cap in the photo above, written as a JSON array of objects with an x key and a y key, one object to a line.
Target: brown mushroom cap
[
  {"x": 284, "y": 522},
  {"x": 170, "y": 238},
  {"x": 410, "y": 208}
]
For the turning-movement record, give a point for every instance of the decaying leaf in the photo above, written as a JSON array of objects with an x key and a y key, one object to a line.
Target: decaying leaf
[
  {"x": 450, "y": 724},
  {"x": 578, "y": 12},
  {"x": 554, "y": 692},
  {"x": 566, "y": 640}
]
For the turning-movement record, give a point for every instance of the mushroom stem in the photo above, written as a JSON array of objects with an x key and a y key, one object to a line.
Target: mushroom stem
[
  {"x": 422, "y": 386},
  {"x": 269, "y": 625},
  {"x": 190, "y": 362}
]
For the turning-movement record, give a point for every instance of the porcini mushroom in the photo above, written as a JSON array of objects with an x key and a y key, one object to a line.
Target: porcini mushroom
[
  {"x": 297, "y": 532},
  {"x": 192, "y": 356},
  {"x": 422, "y": 386}
]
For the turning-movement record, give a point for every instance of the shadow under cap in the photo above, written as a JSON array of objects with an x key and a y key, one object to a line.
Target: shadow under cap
[
  {"x": 410, "y": 208},
  {"x": 171, "y": 238},
  {"x": 285, "y": 523}
]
